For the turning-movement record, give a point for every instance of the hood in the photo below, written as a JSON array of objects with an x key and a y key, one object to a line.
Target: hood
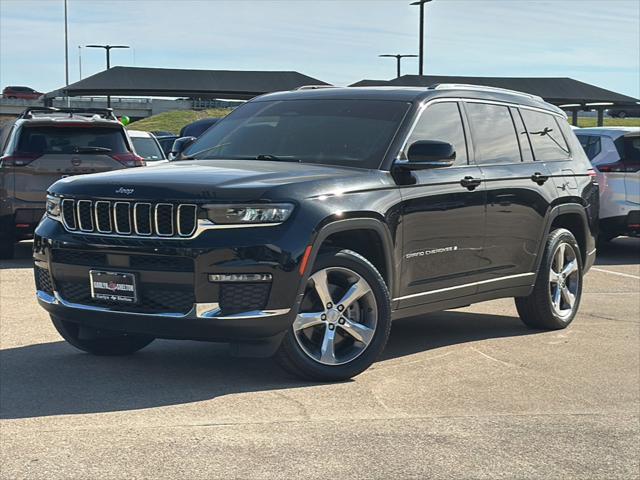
[{"x": 214, "y": 179}]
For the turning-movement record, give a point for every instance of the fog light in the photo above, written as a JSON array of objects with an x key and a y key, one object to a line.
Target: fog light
[{"x": 240, "y": 277}]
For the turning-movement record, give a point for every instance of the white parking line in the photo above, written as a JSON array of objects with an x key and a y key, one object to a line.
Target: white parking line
[{"x": 617, "y": 273}]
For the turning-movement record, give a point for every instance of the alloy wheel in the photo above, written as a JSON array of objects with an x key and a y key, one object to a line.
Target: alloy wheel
[
  {"x": 564, "y": 280},
  {"x": 338, "y": 316}
]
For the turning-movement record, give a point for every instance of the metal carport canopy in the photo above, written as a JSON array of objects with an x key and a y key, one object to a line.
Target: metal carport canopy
[
  {"x": 169, "y": 82},
  {"x": 559, "y": 91}
]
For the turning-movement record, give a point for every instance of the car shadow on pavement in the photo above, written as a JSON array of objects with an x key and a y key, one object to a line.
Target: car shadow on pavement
[
  {"x": 620, "y": 251},
  {"x": 55, "y": 379},
  {"x": 22, "y": 259}
]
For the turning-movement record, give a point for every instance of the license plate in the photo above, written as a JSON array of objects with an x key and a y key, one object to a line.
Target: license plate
[{"x": 113, "y": 286}]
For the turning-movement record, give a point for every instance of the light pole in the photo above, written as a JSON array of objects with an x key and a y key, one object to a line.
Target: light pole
[
  {"x": 80, "y": 60},
  {"x": 421, "y": 62},
  {"x": 66, "y": 50},
  {"x": 107, "y": 49},
  {"x": 398, "y": 58}
]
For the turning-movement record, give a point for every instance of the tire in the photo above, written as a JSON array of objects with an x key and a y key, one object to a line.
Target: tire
[
  {"x": 334, "y": 343},
  {"x": 555, "y": 298},
  {"x": 7, "y": 248},
  {"x": 104, "y": 343}
]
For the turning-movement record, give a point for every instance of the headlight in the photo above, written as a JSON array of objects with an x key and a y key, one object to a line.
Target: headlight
[
  {"x": 259, "y": 213},
  {"x": 53, "y": 206}
]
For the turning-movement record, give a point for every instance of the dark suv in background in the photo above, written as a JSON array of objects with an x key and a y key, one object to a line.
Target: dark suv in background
[
  {"x": 305, "y": 221},
  {"x": 44, "y": 145}
]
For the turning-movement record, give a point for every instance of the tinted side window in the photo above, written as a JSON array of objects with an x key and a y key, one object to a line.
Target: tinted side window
[
  {"x": 443, "y": 122},
  {"x": 494, "y": 134},
  {"x": 546, "y": 138},
  {"x": 591, "y": 144}
]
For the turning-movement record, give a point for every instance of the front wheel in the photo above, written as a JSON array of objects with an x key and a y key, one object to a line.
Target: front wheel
[
  {"x": 554, "y": 302},
  {"x": 343, "y": 323},
  {"x": 99, "y": 342}
]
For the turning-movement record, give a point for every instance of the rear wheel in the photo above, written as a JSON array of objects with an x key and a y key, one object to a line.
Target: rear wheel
[
  {"x": 556, "y": 295},
  {"x": 99, "y": 342},
  {"x": 343, "y": 323}
]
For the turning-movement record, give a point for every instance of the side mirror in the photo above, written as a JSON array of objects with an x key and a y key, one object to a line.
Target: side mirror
[
  {"x": 179, "y": 146},
  {"x": 427, "y": 154}
]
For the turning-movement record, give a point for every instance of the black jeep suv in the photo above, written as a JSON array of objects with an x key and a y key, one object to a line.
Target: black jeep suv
[{"x": 304, "y": 222}]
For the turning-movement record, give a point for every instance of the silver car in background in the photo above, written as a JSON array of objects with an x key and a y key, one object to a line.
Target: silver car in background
[
  {"x": 615, "y": 155},
  {"x": 147, "y": 146}
]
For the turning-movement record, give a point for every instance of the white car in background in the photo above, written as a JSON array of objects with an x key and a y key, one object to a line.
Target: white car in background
[
  {"x": 147, "y": 146},
  {"x": 615, "y": 155}
]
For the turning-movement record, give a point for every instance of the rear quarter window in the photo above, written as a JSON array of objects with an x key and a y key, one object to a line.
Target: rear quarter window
[{"x": 545, "y": 133}]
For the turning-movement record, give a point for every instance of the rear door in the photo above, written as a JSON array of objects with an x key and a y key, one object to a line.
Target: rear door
[
  {"x": 516, "y": 203},
  {"x": 44, "y": 154}
]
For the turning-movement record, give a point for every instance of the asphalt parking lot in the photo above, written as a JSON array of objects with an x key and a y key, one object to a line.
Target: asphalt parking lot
[{"x": 469, "y": 393}]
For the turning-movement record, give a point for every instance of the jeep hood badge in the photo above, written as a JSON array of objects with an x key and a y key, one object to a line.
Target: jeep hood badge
[{"x": 125, "y": 191}]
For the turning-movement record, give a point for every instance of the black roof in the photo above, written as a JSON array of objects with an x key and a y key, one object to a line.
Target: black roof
[
  {"x": 559, "y": 91},
  {"x": 412, "y": 94},
  {"x": 171, "y": 82}
]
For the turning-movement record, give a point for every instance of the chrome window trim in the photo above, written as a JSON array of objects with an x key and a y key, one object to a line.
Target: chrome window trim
[
  {"x": 426, "y": 103},
  {"x": 115, "y": 217},
  {"x": 135, "y": 219},
  {"x": 158, "y": 205},
  {"x": 195, "y": 223},
  {"x": 73, "y": 211},
  {"x": 466, "y": 285},
  {"x": 95, "y": 214},
  {"x": 79, "y": 204}
]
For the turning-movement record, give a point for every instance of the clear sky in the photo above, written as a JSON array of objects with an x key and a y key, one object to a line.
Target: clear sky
[{"x": 596, "y": 41}]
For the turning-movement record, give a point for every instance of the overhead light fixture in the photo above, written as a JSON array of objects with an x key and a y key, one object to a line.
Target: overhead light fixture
[{"x": 599, "y": 104}]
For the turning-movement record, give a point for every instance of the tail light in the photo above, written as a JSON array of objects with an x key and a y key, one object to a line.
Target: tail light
[
  {"x": 612, "y": 167},
  {"x": 18, "y": 160},
  {"x": 129, "y": 159}
]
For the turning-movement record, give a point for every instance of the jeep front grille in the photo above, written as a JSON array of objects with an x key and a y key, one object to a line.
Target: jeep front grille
[{"x": 130, "y": 218}]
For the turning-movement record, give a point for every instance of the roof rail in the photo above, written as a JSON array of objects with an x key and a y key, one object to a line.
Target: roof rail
[
  {"x": 483, "y": 88},
  {"x": 314, "y": 87},
  {"x": 106, "y": 113}
]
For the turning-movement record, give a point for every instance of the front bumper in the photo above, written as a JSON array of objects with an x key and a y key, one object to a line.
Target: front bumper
[
  {"x": 177, "y": 299},
  {"x": 202, "y": 322}
]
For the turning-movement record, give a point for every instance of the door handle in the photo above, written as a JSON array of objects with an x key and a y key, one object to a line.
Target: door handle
[
  {"x": 470, "y": 182},
  {"x": 539, "y": 178}
]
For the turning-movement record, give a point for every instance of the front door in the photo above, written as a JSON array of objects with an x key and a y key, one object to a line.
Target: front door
[{"x": 442, "y": 220}]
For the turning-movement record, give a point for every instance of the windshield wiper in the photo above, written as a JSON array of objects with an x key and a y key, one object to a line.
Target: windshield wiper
[
  {"x": 91, "y": 150},
  {"x": 275, "y": 158}
]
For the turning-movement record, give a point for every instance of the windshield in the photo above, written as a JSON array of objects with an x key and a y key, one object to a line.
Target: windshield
[
  {"x": 147, "y": 148},
  {"x": 353, "y": 133},
  {"x": 64, "y": 140}
]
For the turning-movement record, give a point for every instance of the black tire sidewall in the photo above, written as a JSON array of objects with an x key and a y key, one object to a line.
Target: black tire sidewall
[{"x": 312, "y": 369}]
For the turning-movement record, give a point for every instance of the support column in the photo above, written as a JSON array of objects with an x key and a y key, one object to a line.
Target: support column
[
  {"x": 574, "y": 117},
  {"x": 600, "y": 116}
]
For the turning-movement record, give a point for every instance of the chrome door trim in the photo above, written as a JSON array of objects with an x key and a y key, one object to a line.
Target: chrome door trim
[{"x": 482, "y": 282}]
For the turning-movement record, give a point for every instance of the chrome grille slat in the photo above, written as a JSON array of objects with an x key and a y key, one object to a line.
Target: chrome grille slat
[
  {"x": 162, "y": 209},
  {"x": 85, "y": 217},
  {"x": 69, "y": 214},
  {"x": 103, "y": 216},
  {"x": 121, "y": 227},
  {"x": 138, "y": 217},
  {"x": 187, "y": 219},
  {"x": 130, "y": 218}
]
